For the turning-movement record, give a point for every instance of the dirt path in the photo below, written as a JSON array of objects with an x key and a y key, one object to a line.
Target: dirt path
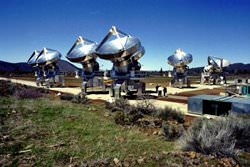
[{"x": 173, "y": 101}]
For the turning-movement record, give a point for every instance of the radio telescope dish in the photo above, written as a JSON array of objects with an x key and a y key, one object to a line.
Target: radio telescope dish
[
  {"x": 180, "y": 58},
  {"x": 118, "y": 45},
  {"x": 219, "y": 62},
  {"x": 82, "y": 50},
  {"x": 48, "y": 56},
  {"x": 33, "y": 57}
]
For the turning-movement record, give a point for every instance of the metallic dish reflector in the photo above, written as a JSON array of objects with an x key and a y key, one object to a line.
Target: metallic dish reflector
[
  {"x": 82, "y": 50},
  {"x": 180, "y": 58},
  {"x": 218, "y": 62},
  {"x": 33, "y": 57},
  {"x": 119, "y": 46},
  {"x": 48, "y": 56}
]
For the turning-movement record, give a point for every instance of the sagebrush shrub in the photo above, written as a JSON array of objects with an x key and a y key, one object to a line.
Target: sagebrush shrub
[
  {"x": 28, "y": 93},
  {"x": 118, "y": 105},
  {"x": 221, "y": 136},
  {"x": 121, "y": 103},
  {"x": 67, "y": 97},
  {"x": 80, "y": 99},
  {"x": 128, "y": 117},
  {"x": 120, "y": 118},
  {"x": 145, "y": 107},
  {"x": 170, "y": 114},
  {"x": 171, "y": 131},
  {"x": 7, "y": 88}
]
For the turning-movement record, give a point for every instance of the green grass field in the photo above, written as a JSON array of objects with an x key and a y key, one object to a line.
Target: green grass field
[
  {"x": 56, "y": 131},
  {"x": 51, "y": 132}
]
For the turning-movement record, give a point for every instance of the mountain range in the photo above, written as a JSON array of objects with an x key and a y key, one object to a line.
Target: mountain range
[
  {"x": 6, "y": 67},
  {"x": 65, "y": 66}
]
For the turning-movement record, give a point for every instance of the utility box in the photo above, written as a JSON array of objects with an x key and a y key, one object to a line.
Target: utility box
[
  {"x": 195, "y": 103},
  {"x": 217, "y": 105},
  {"x": 241, "y": 105},
  {"x": 245, "y": 90}
]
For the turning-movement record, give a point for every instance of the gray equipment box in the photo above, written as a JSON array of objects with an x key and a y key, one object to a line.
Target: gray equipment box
[{"x": 217, "y": 105}]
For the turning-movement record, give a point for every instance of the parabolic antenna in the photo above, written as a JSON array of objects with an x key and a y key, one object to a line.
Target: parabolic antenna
[
  {"x": 48, "y": 56},
  {"x": 213, "y": 72},
  {"x": 82, "y": 50},
  {"x": 180, "y": 58},
  {"x": 118, "y": 45},
  {"x": 218, "y": 62},
  {"x": 33, "y": 57}
]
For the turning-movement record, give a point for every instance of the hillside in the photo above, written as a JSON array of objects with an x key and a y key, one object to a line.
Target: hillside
[
  {"x": 6, "y": 67},
  {"x": 13, "y": 67}
]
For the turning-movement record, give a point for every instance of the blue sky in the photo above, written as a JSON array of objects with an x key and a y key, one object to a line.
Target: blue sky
[{"x": 201, "y": 27}]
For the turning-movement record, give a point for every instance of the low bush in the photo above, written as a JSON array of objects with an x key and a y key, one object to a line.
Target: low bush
[
  {"x": 108, "y": 105},
  {"x": 145, "y": 107},
  {"x": 121, "y": 103},
  {"x": 131, "y": 113},
  {"x": 241, "y": 131},
  {"x": 130, "y": 117},
  {"x": 6, "y": 88},
  {"x": 118, "y": 105},
  {"x": 80, "y": 99},
  {"x": 68, "y": 97},
  {"x": 220, "y": 137},
  {"x": 149, "y": 122},
  {"x": 170, "y": 114},
  {"x": 172, "y": 131},
  {"x": 120, "y": 118},
  {"x": 28, "y": 93}
]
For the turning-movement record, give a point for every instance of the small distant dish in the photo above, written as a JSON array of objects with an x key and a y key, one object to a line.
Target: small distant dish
[
  {"x": 48, "y": 56},
  {"x": 33, "y": 57},
  {"x": 218, "y": 62},
  {"x": 180, "y": 58}
]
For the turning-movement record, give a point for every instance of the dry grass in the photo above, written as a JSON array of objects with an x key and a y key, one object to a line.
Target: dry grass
[{"x": 54, "y": 132}]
